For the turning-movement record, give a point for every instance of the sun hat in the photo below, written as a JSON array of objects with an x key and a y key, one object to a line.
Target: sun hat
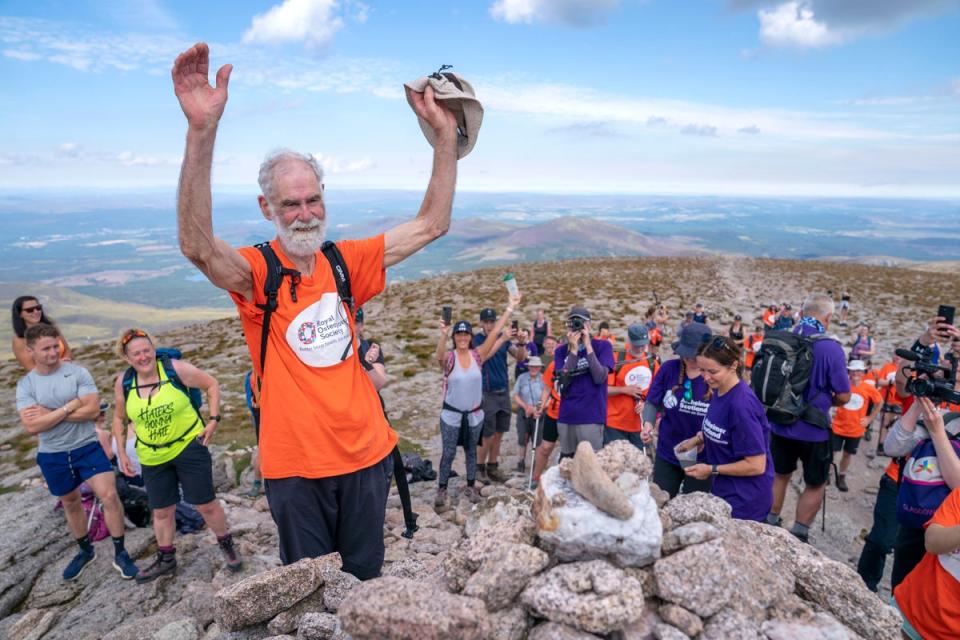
[
  {"x": 488, "y": 314},
  {"x": 456, "y": 94},
  {"x": 856, "y": 365},
  {"x": 690, "y": 339},
  {"x": 462, "y": 327},
  {"x": 534, "y": 361},
  {"x": 638, "y": 335}
]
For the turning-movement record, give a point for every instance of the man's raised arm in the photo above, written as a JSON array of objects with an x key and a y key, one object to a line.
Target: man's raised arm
[
  {"x": 203, "y": 106},
  {"x": 433, "y": 219}
]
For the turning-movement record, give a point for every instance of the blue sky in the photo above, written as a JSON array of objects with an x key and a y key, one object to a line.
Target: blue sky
[{"x": 765, "y": 97}]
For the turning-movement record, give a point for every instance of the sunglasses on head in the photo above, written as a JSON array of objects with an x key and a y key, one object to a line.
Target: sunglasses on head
[
  {"x": 136, "y": 333},
  {"x": 716, "y": 342},
  {"x": 38, "y": 308}
]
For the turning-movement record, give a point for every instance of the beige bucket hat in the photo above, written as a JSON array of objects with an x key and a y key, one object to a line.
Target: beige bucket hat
[{"x": 457, "y": 95}]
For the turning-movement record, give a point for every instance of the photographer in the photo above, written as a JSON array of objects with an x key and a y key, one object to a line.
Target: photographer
[
  {"x": 932, "y": 471},
  {"x": 584, "y": 364}
]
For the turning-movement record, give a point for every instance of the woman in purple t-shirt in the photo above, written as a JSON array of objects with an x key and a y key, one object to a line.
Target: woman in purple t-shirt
[
  {"x": 735, "y": 435},
  {"x": 679, "y": 395}
]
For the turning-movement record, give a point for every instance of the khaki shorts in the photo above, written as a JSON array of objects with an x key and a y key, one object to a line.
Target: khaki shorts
[{"x": 573, "y": 434}]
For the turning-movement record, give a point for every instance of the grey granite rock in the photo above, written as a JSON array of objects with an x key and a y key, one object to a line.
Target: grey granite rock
[
  {"x": 557, "y": 631},
  {"x": 696, "y": 578},
  {"x": 697, "y": 507},
  {"x": 687, "y": 621},
  {"x": 688, "y": 534}
]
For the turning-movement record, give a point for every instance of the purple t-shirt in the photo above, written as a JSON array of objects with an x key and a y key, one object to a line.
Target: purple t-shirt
[
  {"x": 681, "y": 418},
  {"x": 827, "y": 377},
  {"x": 736, "y": 427},
  {"x": 585, "y": 402}
]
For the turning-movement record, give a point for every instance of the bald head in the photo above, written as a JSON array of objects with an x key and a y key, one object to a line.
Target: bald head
[{"x": 819, "y": 306}]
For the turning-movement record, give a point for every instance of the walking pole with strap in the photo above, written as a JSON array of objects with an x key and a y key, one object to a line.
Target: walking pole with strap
[
  {"x": 271, "y": 285},
  {"x": 533, "y": 453}
]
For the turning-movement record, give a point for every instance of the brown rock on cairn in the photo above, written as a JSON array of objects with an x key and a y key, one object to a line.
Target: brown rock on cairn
[{"x": 591, "y": 481}]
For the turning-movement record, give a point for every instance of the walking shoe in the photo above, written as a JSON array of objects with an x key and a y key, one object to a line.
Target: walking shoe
[
  {"x": 122, "y": 563},
  {"x": 775, "y": 521},
  {"x": 868, "y": 434},
  {"x": 494, "y": 473},
  {"x": 802, "y": 537},
  {"x": 441, "y": 499},
  {"x": 163, "y": 564},
  {"x": 234, "y": 563},
  {"x": 472, "y": 495},
  {"x": 255, "y": 489},
  {"x": 534, "y": 484},
  {"x": 482, "y": 474},
  {"x": 78, "y": 564},
  {"x": 842, "y": 483}
]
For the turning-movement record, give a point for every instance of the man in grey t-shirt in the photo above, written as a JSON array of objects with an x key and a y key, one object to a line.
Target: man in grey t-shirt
[{"x": 58, "y": 402}]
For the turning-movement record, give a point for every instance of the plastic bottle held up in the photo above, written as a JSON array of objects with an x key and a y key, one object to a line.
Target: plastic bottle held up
[{"x": 511, "y": 283}]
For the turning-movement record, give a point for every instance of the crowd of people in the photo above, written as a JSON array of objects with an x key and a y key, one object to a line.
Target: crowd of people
[{"x": 326, "y": 445}]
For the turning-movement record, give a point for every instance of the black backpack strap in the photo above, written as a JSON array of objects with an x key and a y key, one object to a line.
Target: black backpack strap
[
  {"x": 129, "y": 378},
  {"x": 174, "y": 378},
  {"x": 340, "y": 273},
  {"x": 271, "y": 286}
]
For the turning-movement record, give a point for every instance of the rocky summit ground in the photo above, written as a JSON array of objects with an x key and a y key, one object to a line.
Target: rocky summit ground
[{"x": 34, "y": 548}]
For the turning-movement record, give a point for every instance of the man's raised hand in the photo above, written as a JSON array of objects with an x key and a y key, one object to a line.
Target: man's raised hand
[
  {"x": 439, "y": 118},
  {"x": 201, "y": 103}
]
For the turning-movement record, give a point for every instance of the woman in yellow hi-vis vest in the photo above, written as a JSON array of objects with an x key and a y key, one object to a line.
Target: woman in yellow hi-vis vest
[{"x": 172, "y": 438}]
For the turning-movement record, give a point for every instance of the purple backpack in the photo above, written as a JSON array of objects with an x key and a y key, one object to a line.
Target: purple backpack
[{"x": 922, "y": 487}]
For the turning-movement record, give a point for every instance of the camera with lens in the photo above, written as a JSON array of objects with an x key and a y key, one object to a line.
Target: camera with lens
[
  {"x": 929, "y": 380},
  {"x": 575, "y": 323}
]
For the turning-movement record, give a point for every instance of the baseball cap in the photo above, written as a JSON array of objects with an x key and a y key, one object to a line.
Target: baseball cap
[
  {"x": 856, "y": 365},
  {"x": 738, "y": 317},
  {"x": 638, "y": 335},
  {"x": 488, "y": 314},
  {"x": 579, "y": 312},
  {"x": 462, "y": 327},
  {"x": 690, "y": 339}
]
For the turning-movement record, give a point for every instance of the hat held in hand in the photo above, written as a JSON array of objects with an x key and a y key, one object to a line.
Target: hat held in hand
[{"x": 456, "y": 94}]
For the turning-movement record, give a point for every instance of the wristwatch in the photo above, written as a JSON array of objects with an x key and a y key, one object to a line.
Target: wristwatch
[
  {"x": 714, "y": 471},
  {"x": 218, "y": 418}
]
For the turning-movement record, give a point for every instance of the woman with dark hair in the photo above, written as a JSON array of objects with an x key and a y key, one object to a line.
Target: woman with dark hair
[
  {"x": 734, "y": 435},
  {"x": 736, "y": 332},
  {"x": 27, "y": 311},
  {"x": 679, "y": 395},
  {"x": 541, "y": 329},
  {"x": 461, "y": 419}
]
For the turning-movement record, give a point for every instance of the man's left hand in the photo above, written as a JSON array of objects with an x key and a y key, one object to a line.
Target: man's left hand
[
  {"x": 440, "y": 119},
  {"x": 699, "y": 471}
]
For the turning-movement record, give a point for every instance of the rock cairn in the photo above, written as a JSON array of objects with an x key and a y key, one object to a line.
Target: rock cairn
[{"x": 600, "y": 552}]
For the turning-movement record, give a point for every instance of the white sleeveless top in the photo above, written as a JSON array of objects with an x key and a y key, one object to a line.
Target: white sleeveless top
[{"x": 464, "y": 391}]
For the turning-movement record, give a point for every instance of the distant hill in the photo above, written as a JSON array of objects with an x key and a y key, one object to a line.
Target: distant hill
[{"x": 939, "y": 266}]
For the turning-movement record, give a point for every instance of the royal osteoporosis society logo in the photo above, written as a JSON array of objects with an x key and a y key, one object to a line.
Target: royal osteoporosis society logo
[{"x": 320, "y": 334}]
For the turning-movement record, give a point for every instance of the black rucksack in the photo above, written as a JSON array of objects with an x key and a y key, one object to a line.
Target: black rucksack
[
  {"x": 780, "y": 375},
  {"x": 271, "y": 286}
]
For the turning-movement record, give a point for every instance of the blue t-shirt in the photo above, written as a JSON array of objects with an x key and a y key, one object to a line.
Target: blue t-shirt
[
  {"x": 495, "y": 368},
  {"x": 827, "y": 378},
  {"x": 585, "y": 401},
  {"x": 734, "y": 428},
  {"x": 682, "y": 417}
]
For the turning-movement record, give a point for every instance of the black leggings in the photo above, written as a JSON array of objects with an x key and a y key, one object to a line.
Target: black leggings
[
  {"x": 908, "y": 551},
  {"x": 669, "y": 477}
]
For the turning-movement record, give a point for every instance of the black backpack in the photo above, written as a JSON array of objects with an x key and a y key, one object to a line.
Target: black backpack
[
  {"x": 271, "y": 286},
  {"x": 780, "y": 375}
]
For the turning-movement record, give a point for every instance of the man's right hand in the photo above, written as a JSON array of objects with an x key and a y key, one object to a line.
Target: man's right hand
[
  {"x": 937, "y": 331},
  {"x": 202, "y": 104}
]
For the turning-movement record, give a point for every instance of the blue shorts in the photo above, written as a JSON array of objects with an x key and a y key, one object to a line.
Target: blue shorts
[{"x": 65, "y": 470}]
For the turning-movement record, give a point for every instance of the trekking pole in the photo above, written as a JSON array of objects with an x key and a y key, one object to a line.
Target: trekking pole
[
  {"x": 533, "y": 453},
  {"x": 400, "y": 473},
  {"x": 836, "y": 478}
]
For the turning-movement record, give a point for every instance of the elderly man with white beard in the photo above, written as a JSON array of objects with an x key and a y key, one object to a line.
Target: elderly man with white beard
[{"x": 324, "y": 441}]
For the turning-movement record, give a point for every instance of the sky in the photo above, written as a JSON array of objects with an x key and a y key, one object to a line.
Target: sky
[{"x": 714, "y": 97}]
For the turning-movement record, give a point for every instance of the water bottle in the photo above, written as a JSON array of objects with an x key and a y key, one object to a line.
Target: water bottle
[{"x": 511, "y": 283}]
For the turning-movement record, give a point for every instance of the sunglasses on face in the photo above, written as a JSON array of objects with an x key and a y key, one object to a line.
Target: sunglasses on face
[{"x": 37, "y": 309}]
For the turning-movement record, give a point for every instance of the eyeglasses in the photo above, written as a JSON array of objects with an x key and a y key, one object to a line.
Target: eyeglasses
[
  {"x": 135, "y": 333},
  {"x": 36, "y": 309}
]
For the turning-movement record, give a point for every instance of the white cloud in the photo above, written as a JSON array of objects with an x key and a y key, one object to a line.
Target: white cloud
[
  {"x": 793, "y": 24},
  {"x": 310, "y": 21},
  {"x": 131, "y": 159},
  {"x": 20, "y": 54},
  {"x": 574, "y": 13},
  {"x": 334, "y": 165}
]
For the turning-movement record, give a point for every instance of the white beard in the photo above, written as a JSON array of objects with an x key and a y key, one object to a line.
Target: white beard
[{"x": 301, "y": 239}]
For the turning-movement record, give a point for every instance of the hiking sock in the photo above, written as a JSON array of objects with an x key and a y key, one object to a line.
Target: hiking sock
[
  {"x": 492, "y": 465},
  {"x": 84, "y": 544},
  {"x": 167, "y": 552},
  {"x": 117, "y": 545},
  {"x": 227, "y": 537},
  {"x": 481, "y": 467},
  {"x": 801, "y": 530}
]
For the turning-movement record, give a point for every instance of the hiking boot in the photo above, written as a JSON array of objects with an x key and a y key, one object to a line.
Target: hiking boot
[
  {"x": 482, "y": 474},
  {"x": 522, "y": 466},
  {"x": 776, "y": 521},
  {"x": 472, "y": 495},
  {"x": 234, "y": 563},
  {"x": 163, "y": 564},
  {"x": 441, "y": 499},
  {"x": 493, "y": 471},
  {"x": 842, "y": 483},
  {"x": 868, "y": 434},
  {"x": 78, "y": 564},
  {"x": 255, "y": 489},
  {"x": 122, "y": 563},
  {"x": 802, "y": 537}
]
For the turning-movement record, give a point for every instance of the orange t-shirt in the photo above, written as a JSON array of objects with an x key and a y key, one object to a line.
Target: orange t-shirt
[
  {"x": 621, "y": 408},
  {"x": 553, "y": 407},
  {"x": 893, "y": 470},
  {"x": 929, "y": 596},
  {"x": 846, "y": 421},
  {"x": 751, "y": 345},
  {"x": 319, "y": 413},
  {"x": 888, "y": 373},
  {"x": 769, "y": 317}
]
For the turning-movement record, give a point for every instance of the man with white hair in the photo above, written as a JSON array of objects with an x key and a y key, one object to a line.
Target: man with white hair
[
  {"x": 324, "y": 441},
  {"x": 803, "y": 441}
]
